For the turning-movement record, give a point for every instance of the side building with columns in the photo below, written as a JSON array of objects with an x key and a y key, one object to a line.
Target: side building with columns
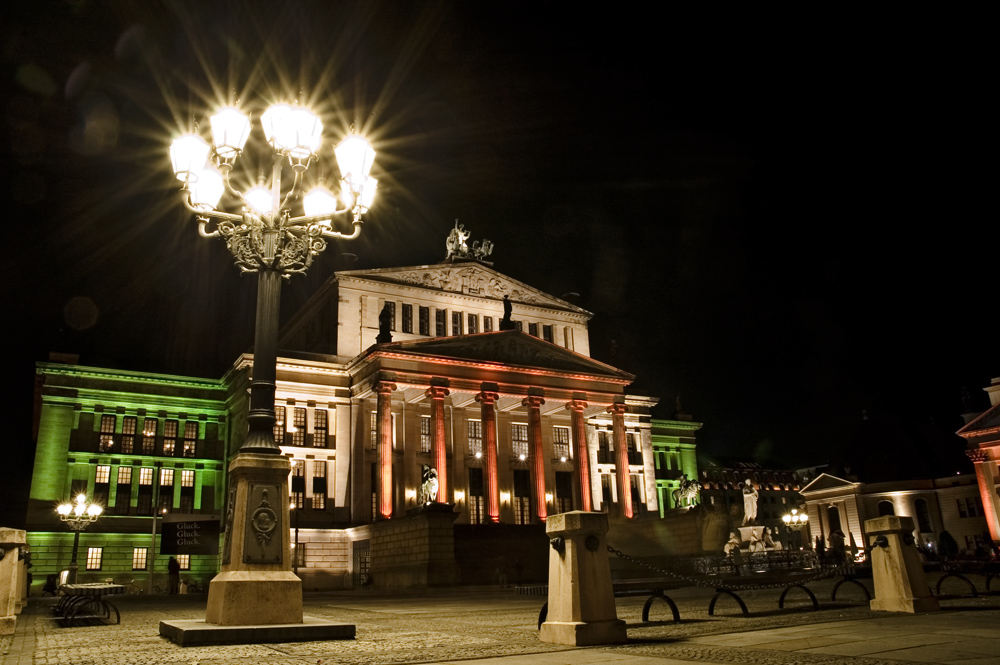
[
  {"x": 982, "y": 436},
  {"x": 485, "y": 401}
]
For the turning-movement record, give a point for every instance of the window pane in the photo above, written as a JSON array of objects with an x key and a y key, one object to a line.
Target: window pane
[
  {"x": 184, "y": 560},
  {"x": 190, "y": 438},
  {"x": 425, "y": 434},
  {"x": 187, "y": 478},
  {"x": 139, "y": 558},
  {"x": 94, "y": 556},
  {"x": 519, "y": 439},
  {"x": 425, "y": 321},
  {"x": 298, "y": 426},
  {"x": 473, "y": 324},
  {"x": 475, "y": 438},
  {"x": 560, "y": 442},
  {"x": 128, "y": 434},
  {"x": 148, "y": 435},
  {"x": 107, "y": 440},
  {"x": 408, "y": 318},
  {"x": 103, "y": 474}
]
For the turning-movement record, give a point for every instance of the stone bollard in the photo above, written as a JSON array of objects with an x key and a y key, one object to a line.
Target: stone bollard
[
  {"x": 581, "y": 599},
  {"x": 900, "y": 585},
  {"x": 11, "y": 572}
]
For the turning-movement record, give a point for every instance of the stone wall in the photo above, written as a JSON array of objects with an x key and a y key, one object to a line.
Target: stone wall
[
  {"x": 519, "y": 553},
  {"x": 416, "y": 550}
]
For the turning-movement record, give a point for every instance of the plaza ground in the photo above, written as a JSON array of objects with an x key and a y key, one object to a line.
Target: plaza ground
[{"x": 498, "y": 627}]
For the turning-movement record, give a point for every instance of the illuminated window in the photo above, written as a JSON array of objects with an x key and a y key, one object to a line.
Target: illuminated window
[
  {"x": 279, "y": 424},
  {"x": 475, "y": 438},
  {"x": 169, "y": 437},
  {"x": 103, "y": 475},
  {"x": 298, "y": 483},
  {"x": 373, "y": 422},
  {"x": 473, "y": 324},
  {"x": 487, "y": 324},
  {"x": 139, "y": 558},
  {"x": 123, "y": 493},
  {"x": 425, "y": 434},
  {"x": 148, "y": 436},
  {"x": 298, "y": 426},
  {"x": 166, "y": 490},
  {"x": 560, "y": 442},
  {"x": 425, "y": 321},
  {"x": 184, "y": 560},
  {"x": 407, "y": 318},
  {"x": 107, "y": 440},
  {"x": 145, "y": 476},
  {"x": 128, "y": 434},
  {"x": 456, "y": 323},
  {"x": 187, "y": 478},
  {"x": 521, "y": 501},
  {"x": 190, "y": 438},
  {"x": 320, "y": 428},
  {"x": 519, "y": 440},
  {"x": 94, "y": 556},
  {"x": 319, "y": 485}
]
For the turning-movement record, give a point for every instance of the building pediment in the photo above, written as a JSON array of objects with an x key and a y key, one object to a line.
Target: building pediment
[
  {"x": 510, "y": 347},
  {"x": 988, "y": 422},
  {"x": 467, "y": 278},
  {"x": 824, "y": 482}
]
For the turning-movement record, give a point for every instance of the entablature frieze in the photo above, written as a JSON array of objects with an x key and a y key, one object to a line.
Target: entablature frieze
[{"x": 112, "y": 402}]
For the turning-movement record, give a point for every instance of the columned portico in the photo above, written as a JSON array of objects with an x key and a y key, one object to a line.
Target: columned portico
[
  {"x": 439, "y": 452},
  {"x": 986, "y": 478},
  {"x": 617, "y": 411},
  {"x": 578, "y": 429},
  {"x": 533, "y": 403},
  {"x": 487, "y": 400},
  {"x": 384, "y": 425}
]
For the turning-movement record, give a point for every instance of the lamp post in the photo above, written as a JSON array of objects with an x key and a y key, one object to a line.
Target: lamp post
[
  {"x": 795, "y": 522},
  {"x": 78, "y": 515},
  {"x": 265, "y": 238}
]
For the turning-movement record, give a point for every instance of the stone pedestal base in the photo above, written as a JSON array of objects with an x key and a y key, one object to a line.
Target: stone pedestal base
[
  {"x": 583, "y": 634},
  {"x": 582, "y": 608},
  {"x": 11, "y": 572},
  {"x": 254, "y": 597},
  {"x": 416, "y": 550},
  {"x": 256, "y": 585},
  {"x": 900, "y": 585},
  {"x": 187, "y": 633}
]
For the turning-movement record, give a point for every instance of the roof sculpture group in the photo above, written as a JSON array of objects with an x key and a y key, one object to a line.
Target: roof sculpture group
[{"x": 458, "y": 248}]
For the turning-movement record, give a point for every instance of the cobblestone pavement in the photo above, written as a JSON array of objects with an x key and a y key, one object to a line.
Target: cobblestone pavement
[{"x": 499, "y": 628}]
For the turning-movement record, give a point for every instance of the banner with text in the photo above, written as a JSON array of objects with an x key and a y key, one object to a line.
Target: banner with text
[{"x": 189, "y": 534}]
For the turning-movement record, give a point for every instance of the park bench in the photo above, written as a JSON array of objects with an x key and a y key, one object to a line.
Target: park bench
[{"x": 88, "y": 602}]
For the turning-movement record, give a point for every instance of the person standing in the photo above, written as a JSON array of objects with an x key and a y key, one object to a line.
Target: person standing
[{"x": 174, "y": 575}]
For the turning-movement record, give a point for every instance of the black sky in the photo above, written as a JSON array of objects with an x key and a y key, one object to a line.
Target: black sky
[{"x": 778, "y": 216}]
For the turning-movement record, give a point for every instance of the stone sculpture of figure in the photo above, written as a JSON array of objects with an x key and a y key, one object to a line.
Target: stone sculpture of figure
[
  {"x": 732, "y": 544},
  {"x": 456, "y": 242},
  {"x": 769, "y": 542},
  {"x": 505, "y": 322},
  {"x": 686, "y": 493},
  {"x": 749, "y": 502},
  {"x": 429, "y": 487},
  {"x": 756, "y": 544},
  {"x": 385, "y": 324}
]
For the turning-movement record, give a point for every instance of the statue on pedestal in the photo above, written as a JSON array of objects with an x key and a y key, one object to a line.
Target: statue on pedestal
[
  {"x": 749, "y": 502},
  {"x": 429, "y": 486},
  {"x": 385, "y": 324},
  {"x": 505, "y": 322}
]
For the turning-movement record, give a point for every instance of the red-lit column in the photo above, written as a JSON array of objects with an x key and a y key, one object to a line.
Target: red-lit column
[
  {"x": 582, "y": 453},
  {"x": 439, "y": 453},
  {"x": 986, "y": 481},
  {"x": 617, "y": 411},
  {"x": 384, "y": 432},
  {"x": 487, "y": 399},
  {"x": 533, "y": 403}
]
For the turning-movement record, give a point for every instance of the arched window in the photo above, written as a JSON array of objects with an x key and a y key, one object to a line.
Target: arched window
[
  {"x": 886, "y": 508},
  {"x": 923, "y": 516}
]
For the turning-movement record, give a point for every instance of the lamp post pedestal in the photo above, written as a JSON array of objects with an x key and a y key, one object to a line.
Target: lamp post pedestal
[{"x": 256, "y": 585}]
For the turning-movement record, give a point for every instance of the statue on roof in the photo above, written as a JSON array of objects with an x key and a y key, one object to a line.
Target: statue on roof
[
  {"x": 385, "y": 324},
  {"x": 458, "y": 247}
]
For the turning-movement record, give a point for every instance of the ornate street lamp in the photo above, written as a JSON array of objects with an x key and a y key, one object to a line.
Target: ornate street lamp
[
  {"x": 795, "y": 520},
  {"x": 265, "y": 237},
  {"x": 78, "y": 515}
]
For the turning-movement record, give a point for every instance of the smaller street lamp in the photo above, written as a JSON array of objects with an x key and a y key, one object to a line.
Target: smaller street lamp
[
  {"x": 78, "y": 515},
  {"x": 795, "y": 522}
]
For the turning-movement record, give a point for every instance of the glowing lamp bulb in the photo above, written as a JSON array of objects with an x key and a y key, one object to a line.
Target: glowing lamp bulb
[
  {"x": 78, "y": 510},
  {"x": 189, "y": 155},
  {"x": 230, "y": 130},
  {"x": 259, "y": 198},
  {"x": 295, "y": 130},
  {"x": 319, "y": 201},
  {"x": 479, "y": 455},
  {"x": 64, "y": 509},
  {"x": 521, "y": 457},
  {"x": 207, "y": 191},
  {"x": 94, "y": 510},
  {"x": 355, "y": 157}
]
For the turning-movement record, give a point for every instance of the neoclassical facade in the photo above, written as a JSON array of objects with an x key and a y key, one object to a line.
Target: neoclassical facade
[
  {"x": 982, "y": 435},
  {"x": 406, "y": 386}
]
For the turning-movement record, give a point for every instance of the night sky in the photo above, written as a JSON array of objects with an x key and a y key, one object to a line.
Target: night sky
[{"x": 778, "y": 216}]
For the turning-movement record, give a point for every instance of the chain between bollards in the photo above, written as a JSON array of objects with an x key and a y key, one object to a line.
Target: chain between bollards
[{"x": 839, "y": 570}]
